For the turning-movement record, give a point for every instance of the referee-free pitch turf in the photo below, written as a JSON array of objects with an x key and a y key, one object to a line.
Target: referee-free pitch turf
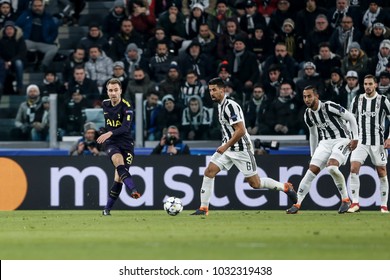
[{"x": 223, "y": 235}]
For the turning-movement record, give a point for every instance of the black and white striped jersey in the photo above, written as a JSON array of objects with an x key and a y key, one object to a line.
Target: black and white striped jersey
[
  {"x": 370, "y": 113},
  {"x": 229, "y": 113},
  {"x": 330, "y": 120}
]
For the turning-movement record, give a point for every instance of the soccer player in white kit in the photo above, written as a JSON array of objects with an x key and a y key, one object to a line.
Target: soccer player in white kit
[
  {"x": 236, "y": 149},
  {"x": 330, "y": 144},
  {"x": 370, "y": 110}
]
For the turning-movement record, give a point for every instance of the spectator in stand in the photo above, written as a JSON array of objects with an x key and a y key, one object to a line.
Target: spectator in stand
[
  {"x": 375, "y": 13},
  {"x": 243, "y": 65},
  {"x": 223, "y": 71},
  {"x": 151, "y": 45},
  {"x": 87, "y": 145},
  {"x": 118, "y": 69},
  {"x": 294, "y": 43},
  {"x": 325, "y": 61},
  {"x": 207, "y": 40},
  {"x": 52, "y": 84},
  {"x": 13, "y": 52},
  {"x": 260, "y": 43},
  {"x": 41, "y": 123},
  {"x": 306, "y": 18},
  {"x": 351, "y": 89},
  {"x": 85, "y": 86},
  {"x": 356, "y": 60},
  {"x": 287, "y": 64},
  {"x": 266, "y": 8},
  {"x": 143, "y": 18},
  {"x": 173, "y": 22},
  {"x": 171, "y": 144},
  {"x": 373, "y": 38},
  {"x": 150, "y": 109},
  {"x": 95, "y": 37},
  {"x": 197, "y": 17},
  {"x": 321, "y": 33},
  {"x": 225, "y": 41},
  {"x": 192, "y": 86},
  {"x": 382, "y": 58},
  {"x": 113, "y": 20},
  {"x": 283, "y": 114},
  {"x": 126, "y": 36},
  {"x": 72, "y": 115},
  {"x": 255, "y": 111},
  {"x": 272, "y": 81},
  {"x": 343, "y": 36},
  {"x": 134, "y": 58},
  {"x": 310, "y": 78},
  {"x": 196, "y": 120},
  {"x": 251, "y": 18},
  {"x": 188, "y": 5},
  {"x": 333, "y": 90},
  {"x": 140, "y": 83},
  {"x": 343, "y": 9},
  {"x": 6, "y": 13},
  {"x": 99, "y": 67},
  {"x": 282, "y": 13},
  {"x": 384, "y": 84},
  {"x": 221, "y": 13},
  {"x": 77, "y": 58},
  {"x": 172, "y": 82},
  {"x": 39, "y": 31},
  {"x": 170, "y": 114},
  {"x": 159, "y": 64},
  {"x": 2, "y": 76},
  {"x": 194, "y": 59},
  {"x": 26, "y": 114}
]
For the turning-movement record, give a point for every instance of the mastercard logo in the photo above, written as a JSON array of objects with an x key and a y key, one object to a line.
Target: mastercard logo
[{"x": 13, "y": 186}]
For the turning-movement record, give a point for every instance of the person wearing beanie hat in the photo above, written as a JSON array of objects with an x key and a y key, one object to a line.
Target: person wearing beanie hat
[
  {"x": 384, "y": 84},
  {"x": 382, "y": 58},
  {"x": 113, "y": 19},
  {"x": 344, "y": 35},
  {"x": 309, "y": 77},
  {"x": 370, "y": 109},
  {"x": 294, "y": 42},
  {"x": 373, "y": 13},
  {"x": 87, "y": 145},
  {"x": 334, "y": 87},
  {"x": 356, "y": 60},
  {"x": 196, "y": 16},
  {"x": 290, "y": 22},
  {"x": 26, "y": 114},
  {"x": 118, "y": 69}
]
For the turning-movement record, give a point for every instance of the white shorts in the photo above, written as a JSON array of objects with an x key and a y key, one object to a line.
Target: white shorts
[
  {"x": 378, "y": 154},
  {"x": 244, "y": 161},
  {"x": 331, "y": 149}
]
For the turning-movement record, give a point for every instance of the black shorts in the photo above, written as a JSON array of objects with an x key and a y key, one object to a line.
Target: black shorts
[{"x": 127, "y": 151}]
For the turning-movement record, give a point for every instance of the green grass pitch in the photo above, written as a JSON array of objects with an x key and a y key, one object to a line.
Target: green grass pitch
[{"x": 224, "y": 235}]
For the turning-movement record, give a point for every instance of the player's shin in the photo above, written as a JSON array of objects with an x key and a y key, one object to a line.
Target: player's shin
[
  {"x": 116, "y": 189},
  {"x": 206, "y": 191},
  {"x": 339, "y": 180},
  {"x": 304, "y": 186},
  {"x": 125, "y": 177},
  {"x": 355, "y": 187},
  {"x": 384, "y": 188},
  {"x": 271, "y": 184}
]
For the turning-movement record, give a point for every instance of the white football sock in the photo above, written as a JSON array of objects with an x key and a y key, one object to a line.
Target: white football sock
[
  {"x": 339, "y": 180},
  {"x": 271, "y": 184},
  {"x": 304, "y": 186},
  {"x": 384, "y": 188},
  {"x": 206, "y": 191},
  {"x": 355, "y": 187}
]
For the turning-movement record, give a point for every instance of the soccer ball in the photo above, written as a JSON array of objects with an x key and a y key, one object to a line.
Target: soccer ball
[{"x": 173, "y": 206}]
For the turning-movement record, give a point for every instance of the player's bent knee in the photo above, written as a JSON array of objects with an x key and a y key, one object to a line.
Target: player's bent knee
[
  {"x": 332, "y": 169},
  {"x": 253, "y": 181}
]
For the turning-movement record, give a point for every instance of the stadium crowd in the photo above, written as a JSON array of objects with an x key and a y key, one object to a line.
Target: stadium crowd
[{"x": 267, "y": 52}]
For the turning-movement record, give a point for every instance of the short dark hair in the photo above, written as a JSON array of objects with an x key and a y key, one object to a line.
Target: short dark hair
[
  {"x": 311, "y": 87},
  {"x": 218, "y": 82}
]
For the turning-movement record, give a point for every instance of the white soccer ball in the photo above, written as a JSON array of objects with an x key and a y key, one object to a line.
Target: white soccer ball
[{"x": 173, "y": 206}]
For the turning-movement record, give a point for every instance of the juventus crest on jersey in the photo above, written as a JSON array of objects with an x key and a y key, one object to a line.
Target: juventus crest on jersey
[{"x": 370, "y": 113}]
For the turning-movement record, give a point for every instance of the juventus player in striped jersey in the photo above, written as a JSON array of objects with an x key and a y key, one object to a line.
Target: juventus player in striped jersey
[
  {"x": 236, "y": 149},
  {"x": 330, "y": 144},
  {"x": 118, "y": 115},
  {"x": 370, "y": 110}
]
